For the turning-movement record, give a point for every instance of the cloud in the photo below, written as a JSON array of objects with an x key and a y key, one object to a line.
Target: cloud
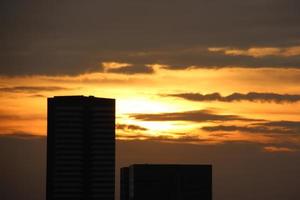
[
  {"x": 286, "y": 133},
  {"x": 126, "y": 68},
  {"x": 31, "y": 89},
  {"x": 251, "y": 96},
  {"x": 21, "y": 135},
  {"x": 130, "y": 127},
  {"x": 113, "y": 65},
  {"x": 274, "y": 149},
  {"x": 38, "y": 96},
  {"x": 5, "y": 116},
  {"x": 282, "y": 124},
  {"x": 132, "y": 70},
  {"x": 258, "y": 52},
  {"x": 248, "y": 129},
  {"x": 194, "y": 116},
  {"x": 183, "y": 139},
  {"x": 54, "y": 39},
  {"x": 270, "y": 127}
]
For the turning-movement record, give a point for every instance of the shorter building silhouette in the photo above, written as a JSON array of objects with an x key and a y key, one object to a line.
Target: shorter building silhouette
[{"x": 166, "y": 182}]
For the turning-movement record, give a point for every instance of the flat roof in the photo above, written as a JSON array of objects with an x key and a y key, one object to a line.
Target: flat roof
[
  {"x": 78, "y": 97},
  {"x": 170, "y": 165}
]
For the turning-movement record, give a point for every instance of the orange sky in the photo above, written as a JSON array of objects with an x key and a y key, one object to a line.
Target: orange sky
[
  {"x": 195, "y": 82},
  {"x": 23, "y": 103}
]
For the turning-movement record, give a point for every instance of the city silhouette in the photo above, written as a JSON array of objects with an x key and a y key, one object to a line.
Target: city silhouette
[
  {"x": 166, "y": 182},
  {"x": 81, "y": 159},
  {"x": 81, "y": 148},
  {"x": 150, "y": 100}
]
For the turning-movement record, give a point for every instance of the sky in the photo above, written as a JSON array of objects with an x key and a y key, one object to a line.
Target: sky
[{"x": 220, "y": 79}]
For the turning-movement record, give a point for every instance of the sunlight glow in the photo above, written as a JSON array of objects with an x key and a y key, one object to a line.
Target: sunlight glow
[{"x": 144, "y": 94}]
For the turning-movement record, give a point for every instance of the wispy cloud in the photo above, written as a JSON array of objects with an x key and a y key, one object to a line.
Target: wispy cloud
[
  {"x": 126, "y": 68},
  {"x": 194, "y": 116},
  {"x": 184, "y": 139},
  {"x": 247, "y": 129},
  {"x": 271, "y": 127},
  {"x": 251, "y": 96},
  {"x": 282, "y": 124},
  {"x": 37, "y": 96},
  {"x": 275, "y": 149},
  {"x": 21, "y": 135},
  {"x": 5, "y": 116},
  {"x": 130, "y": 127},
  {"x": 259, "y": 52},
  {"x": 31, "y": 89}
]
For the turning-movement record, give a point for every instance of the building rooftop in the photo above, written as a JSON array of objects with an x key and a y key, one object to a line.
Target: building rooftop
[
  {"x": 79, "y": 98},
  {"x": 171, "y": 165}
]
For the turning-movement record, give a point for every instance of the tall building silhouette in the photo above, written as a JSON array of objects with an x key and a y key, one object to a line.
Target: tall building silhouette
[
  {"x": 80, "y": 148},
  {"x": 166, "y": 182}
]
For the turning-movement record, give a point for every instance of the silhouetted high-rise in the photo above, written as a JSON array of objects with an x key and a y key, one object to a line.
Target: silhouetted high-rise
[
  {"x": 81, "y": 148},
  {"x": 166, "y": 182}
]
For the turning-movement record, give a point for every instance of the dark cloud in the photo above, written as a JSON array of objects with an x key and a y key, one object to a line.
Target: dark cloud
[
  {"x": 31, "y": 89},
  {"x": 38, "y": 96},
  {"x": 21, "y": 135},
  {"x": 247, "y": 129},
  {"x": 200, "y": 57},
  {"x": 182, "y": 138},
  {"x": 194, "y": 115},
  {"x": 132, "y": 70},
  {"x": 71, "y": 37},
  {"x": 6, "y": 116},
  {"x": 251, "y": 96},
  {"x": 271, "y": 127},
  {"x": 130, "y": 127},
  {"x": 280, "y": 149},
  {"x": 282, "y": 124}
]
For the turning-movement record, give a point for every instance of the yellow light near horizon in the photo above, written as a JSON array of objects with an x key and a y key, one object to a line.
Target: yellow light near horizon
[
  {"x": 156, "y": 128},
  {"x": 142, "y": 105},
  {"x": 26, "y": 111}
]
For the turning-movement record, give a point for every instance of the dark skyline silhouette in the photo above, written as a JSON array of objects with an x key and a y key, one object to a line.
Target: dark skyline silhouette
[
  {"x": 196, "y": 81},
  {"x": 80, "y": 148},
  {"x": 81, "y": 159},
  {"x": 166, "y": 182}
]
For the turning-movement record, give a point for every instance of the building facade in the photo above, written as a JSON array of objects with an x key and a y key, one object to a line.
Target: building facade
[
  {"x": 166, "y": 182},
  {"x": 80, "y": 148}
]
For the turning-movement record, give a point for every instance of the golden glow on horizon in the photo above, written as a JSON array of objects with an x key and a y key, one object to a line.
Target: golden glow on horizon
[{"x": 25, "y": 110}]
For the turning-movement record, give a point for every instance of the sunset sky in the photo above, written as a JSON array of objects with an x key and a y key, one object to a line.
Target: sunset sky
[
  {"x": 192, "y": 105},
  {"x": 206, "y": 73}
]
